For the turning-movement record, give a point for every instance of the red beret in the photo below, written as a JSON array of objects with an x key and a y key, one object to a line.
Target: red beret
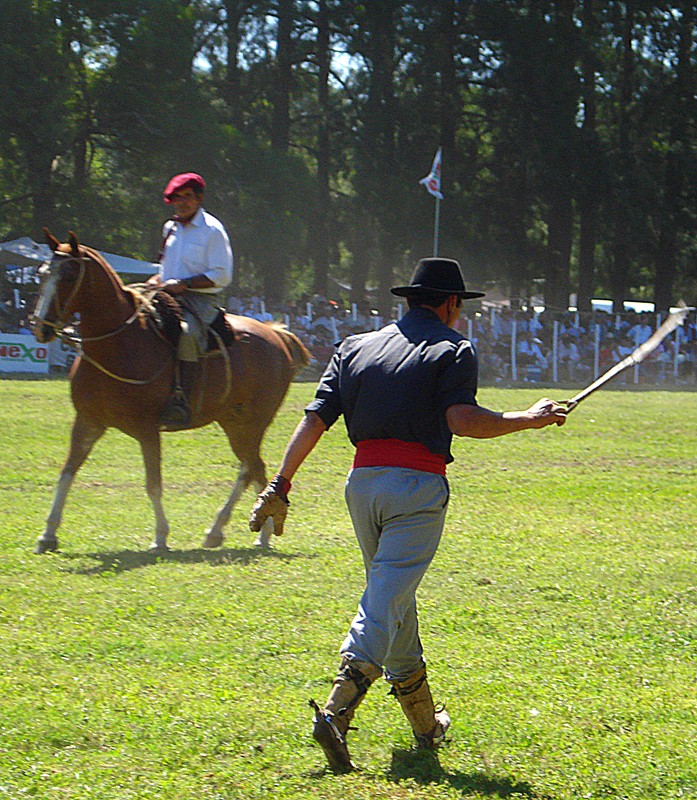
[{"x": 181, "y": 181}]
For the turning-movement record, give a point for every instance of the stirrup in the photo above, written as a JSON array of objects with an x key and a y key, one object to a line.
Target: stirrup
[
  {"x": 331, "y": 740},
  {"x": 176, "y": 414}
]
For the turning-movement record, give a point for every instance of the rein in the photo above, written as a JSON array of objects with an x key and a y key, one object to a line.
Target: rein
[
  {"x": 62, "y": 333},
  {"x": 228, "y": 369},
  {"x": 120, "y": 378}
]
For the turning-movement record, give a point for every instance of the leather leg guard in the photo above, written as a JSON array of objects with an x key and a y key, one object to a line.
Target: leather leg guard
[
  {"x": 428, "y": 723},
  {"x": 331, "y": 723}
]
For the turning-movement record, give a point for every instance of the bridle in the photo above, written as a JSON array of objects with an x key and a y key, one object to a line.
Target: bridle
[
  {"x": 63, "y": 330},
  {"x": 60, "y": 326}
]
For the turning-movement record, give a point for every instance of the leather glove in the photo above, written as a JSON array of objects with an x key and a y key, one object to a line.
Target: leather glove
[{"x": 272, "y": 502}]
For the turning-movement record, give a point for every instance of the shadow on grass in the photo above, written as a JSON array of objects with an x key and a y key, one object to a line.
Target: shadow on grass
[
  {"x": 424, "y": 767},
  {"x": 126, "y": 560}
]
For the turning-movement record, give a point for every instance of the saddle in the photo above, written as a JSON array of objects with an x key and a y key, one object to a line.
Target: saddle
[
  {"x": 168, "y": 318},
  {"x": 225, "y": 332}
]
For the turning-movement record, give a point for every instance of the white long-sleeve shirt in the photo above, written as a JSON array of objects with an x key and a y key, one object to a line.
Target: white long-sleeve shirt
[{"x": 201, "y": 247}]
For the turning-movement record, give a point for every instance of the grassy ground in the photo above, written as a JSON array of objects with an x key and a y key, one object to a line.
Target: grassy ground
[{"x": 559, "y": 617}]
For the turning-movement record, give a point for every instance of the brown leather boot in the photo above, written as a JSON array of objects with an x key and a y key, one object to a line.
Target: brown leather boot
[
  {"x": 176, "y": 414},
  {"x": 428, "y": 724},
  {"x": 332, "y": 722}
]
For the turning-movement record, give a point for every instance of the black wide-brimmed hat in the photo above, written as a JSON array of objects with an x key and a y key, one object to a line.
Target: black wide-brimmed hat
[{"x": 439, "y": 276}]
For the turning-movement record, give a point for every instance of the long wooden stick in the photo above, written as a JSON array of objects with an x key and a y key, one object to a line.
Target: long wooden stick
[{"x": 641, "y": 352}]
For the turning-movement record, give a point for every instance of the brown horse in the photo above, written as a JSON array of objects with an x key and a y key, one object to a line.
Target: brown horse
[{"x": 124, "y": 373}]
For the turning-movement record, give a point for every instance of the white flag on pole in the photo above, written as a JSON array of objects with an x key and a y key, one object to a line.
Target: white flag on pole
[{"x": 432, "y": 180}]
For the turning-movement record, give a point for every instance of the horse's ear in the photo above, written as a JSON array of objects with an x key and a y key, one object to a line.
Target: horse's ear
[
  {"x": 74, "y": 244},
  {"x": 51, "y": 240}
]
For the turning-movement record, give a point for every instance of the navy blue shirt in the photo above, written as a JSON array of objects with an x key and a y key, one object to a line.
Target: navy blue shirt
[{"x": 396, "y": 383}]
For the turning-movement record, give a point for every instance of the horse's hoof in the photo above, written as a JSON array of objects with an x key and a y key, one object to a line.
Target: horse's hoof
[
  {"x": 45, "y": 546},
  {"x": 262, "y": 542},
  {"x": 158, "y": 548},
  {"x": 213, "y": 540}
]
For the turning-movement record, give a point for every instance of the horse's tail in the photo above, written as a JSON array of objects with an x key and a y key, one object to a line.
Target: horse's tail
[{"x": 299, "y": 354}]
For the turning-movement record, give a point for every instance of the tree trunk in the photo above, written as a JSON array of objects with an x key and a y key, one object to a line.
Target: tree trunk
[
  {"x": 39, "y": 171},
  {"x": 559, "y": 194},
  {"x": 280, "y": 124},
  {"x": 666, "y": 261},
  {"x": 232, "y": 91},
  {"x": 320, "y": 234},
  {"x": 559, "y": 239},
  {"x": 588, "y": 230},
  {"x": 621, "y": 244},
  {"x": 588, "y": 192},
  {"x": 449, "y": 104},
  {"x": 362, "y": 246},
  {"x": 379, "y": 141},
  {"x": 277, "y": 272}
]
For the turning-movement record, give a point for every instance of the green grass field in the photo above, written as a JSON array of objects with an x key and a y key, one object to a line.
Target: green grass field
[{"x": 558, "y": 618}]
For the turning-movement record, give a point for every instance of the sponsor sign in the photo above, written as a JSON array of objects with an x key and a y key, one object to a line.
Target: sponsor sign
[{"x": 22, "y": 353}]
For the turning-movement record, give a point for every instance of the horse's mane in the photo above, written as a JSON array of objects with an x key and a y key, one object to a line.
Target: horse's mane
[{"x": 142, "y": 300}]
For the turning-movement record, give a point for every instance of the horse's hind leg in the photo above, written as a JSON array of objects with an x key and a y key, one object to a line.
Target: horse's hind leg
[
  {"x": 82, "y": 439},
  {"x": 252, "y": 471}
]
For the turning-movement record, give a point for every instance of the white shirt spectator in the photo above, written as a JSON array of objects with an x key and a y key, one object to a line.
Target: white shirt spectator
[
  {"x": 531, "y": 347},
  {"x": 639, "y": 333},
  {"x": 568, "y": 351}
]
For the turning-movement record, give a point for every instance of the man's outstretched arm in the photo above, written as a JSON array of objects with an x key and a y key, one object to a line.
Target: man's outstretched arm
[{"x": 481, "y": 423}]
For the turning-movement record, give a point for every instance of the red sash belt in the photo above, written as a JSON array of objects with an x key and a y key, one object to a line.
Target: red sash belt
[{"x": 396, "y": 453}]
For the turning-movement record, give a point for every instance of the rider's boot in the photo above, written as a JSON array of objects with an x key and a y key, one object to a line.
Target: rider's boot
[{"x": 176, "y": 414}]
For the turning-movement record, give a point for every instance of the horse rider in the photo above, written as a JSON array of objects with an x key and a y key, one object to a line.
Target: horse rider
[
  {"x": 195, "y": 266},
  {"x": 403, "y": 391}
]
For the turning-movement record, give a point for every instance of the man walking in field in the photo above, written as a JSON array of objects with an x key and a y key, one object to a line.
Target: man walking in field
[{"x": 403, "y": 392}]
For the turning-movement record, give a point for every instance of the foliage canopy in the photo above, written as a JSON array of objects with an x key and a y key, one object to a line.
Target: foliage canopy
[{"x": 567, "y": 127}]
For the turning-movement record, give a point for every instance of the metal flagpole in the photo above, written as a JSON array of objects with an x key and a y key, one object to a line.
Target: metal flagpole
[
  {"x": 432, "y": 184},
  {"x": 435, "y": 228}
]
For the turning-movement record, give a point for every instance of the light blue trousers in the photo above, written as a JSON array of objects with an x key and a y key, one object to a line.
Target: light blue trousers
[{"x": 398, "y": 516}]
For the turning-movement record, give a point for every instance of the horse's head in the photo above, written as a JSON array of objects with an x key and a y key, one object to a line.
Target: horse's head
[{"x": 61, "y": 280}]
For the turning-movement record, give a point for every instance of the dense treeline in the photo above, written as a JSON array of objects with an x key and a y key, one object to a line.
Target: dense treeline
[{"x": 567, "y": 128}]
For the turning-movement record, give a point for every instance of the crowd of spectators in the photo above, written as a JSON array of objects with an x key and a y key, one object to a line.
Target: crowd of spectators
[
  {"x": 571, "y": 347},
  {"x": 513, "y": 346},
  {"x": 319, "y": 323}
]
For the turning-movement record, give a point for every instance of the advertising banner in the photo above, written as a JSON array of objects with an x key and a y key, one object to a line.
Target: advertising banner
[{"x": 22, "y": 353}]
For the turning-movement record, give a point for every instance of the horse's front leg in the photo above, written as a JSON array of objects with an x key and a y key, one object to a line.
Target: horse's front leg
[
  {"x": 83, "y": 437},
  {"x": 214, "y": 535},
  {"x": 263, "y": 540},
  {"x": 152, "y": 458}
]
